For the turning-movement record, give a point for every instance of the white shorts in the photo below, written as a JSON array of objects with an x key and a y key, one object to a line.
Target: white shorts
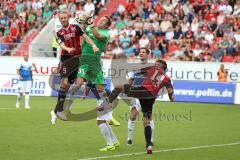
[
  {"x": 24, "y": 86},
  {"x": 135, "y": 103},
  {"x": 104, "y": 115}
]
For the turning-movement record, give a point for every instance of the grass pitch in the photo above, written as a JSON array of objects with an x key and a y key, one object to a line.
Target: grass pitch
[{"x": 28, "y": 134}]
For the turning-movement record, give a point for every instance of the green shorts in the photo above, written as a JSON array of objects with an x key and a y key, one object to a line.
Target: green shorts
[{"x": 91, "y": 71}]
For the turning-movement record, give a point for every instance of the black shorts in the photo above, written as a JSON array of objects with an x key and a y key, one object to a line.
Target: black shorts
[
  {"x": 69, "y": 68},
  {"x": 147, "y": 107},
  {"x": 145, "y": 97},
  {"x": 137, "y": 92}
]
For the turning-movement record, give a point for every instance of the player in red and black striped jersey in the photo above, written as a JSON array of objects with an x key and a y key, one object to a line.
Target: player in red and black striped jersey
[
  {"x": 68, "y": 38},
  {"x": 155, "y": 79}
]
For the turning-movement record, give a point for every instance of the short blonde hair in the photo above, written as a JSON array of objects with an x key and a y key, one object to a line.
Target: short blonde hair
[{"x": 62, "y": 12}]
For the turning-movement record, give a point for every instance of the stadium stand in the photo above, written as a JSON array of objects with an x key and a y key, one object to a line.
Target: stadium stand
[
  {"x": 185, "y": 30},
  {"x": 21, "y": 20}
]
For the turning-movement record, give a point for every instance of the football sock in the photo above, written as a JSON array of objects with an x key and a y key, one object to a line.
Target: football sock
[
  {"x": 131, "y": 125},
  {"x": 99, "y": 102},
  {"x": 148, "y": 132},
  {"x": 95, "y": 92},
  {"x": 19, "y": 98},
  {"x": 110, "y": 113},
  {"x": 112, "y": 135},
  {"x": 105, "y": 133},
  {"x": 114, "y": 94},
  {"x": 152, "y": 127},
  {"x": 27, "y": 97},
  {"x": 61, "y": 99}
]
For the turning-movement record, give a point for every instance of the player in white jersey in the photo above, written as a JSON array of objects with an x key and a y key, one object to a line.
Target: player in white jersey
[
  {"x": 24, "y": 72},
  {"x": 135, "y": 106}
]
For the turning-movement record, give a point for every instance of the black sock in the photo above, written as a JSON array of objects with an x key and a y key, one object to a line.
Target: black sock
[
  {"x": 95, "y": 92},
  {"x": 61, "y": 99},
  {"x": 114, "y": 94},
  {"x": 148, "y": 133}
]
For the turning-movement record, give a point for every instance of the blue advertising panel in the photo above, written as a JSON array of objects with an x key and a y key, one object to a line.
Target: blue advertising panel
[{"x": 210, "y": 92}]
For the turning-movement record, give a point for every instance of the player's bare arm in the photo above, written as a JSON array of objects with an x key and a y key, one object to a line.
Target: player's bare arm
[
  {"x": 96, "y": 34},
  {"x": 31, "y": 74},
  {"x": 68, "y": 49},
  {"x": 85, "y": 92},
  {"x": 169, "y": 87},
  {"x": 89, "y": 41},
  {"x": 19, "y": 76}
]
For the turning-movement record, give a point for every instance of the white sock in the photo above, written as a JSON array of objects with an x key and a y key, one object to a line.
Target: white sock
[
  {"x": 19, "y": 98},
  {"x": 131, "y": 125},
  {"x": 113, "y": 137},
  {"x": 152, "y": 127},
  {"x": 99, "y": 101},
  {"x": 27, "y": 97},
  {"x": 110, "y": 113},
  {"x": 101, "y": 95},
  {"x": 73, "y": 91},
  {"x": 105, "y": 133}
]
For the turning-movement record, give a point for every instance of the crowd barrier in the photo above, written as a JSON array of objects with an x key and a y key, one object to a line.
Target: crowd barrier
[{"x": 186, "y": 89}]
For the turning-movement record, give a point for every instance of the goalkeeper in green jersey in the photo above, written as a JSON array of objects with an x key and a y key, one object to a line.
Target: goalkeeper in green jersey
[{"x": 90, "y": 70}]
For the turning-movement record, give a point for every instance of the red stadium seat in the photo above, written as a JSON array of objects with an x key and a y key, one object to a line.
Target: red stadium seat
[{"x": 227, "y": 58}]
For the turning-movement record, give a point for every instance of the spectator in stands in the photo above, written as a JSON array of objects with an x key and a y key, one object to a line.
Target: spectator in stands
[
  {"x": 237, "y": 36},
  {"x": 166, "y": 23},
  {"x": 89, "y": 7},
  {"x": 144, "y": 42},
  {"x": 169, "y": 34},
  {"x": 117, "y": 50},
  {"x": 47, "y": 14},
  {"x": 130, "y": 6},
  {"x": 209, "y": 36},
  {"x": 157, "y": 54},
  {"x": 222, "y": 74},
  {"x": 113, "y": 32},
  {"x": 54, "y": 44}
]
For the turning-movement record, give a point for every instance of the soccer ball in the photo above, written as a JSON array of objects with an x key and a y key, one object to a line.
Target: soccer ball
[{"x": 83, "y": 18}]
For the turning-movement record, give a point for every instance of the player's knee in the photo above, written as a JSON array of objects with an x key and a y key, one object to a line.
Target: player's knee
[
  {"x": 64, "y": 88},
  {"x": 134, "y": 113},
  {"x": 64, "y": 82},
  {"x": 146, "y": 121},
  {"x": 147, "y": 117},
  {"x": 133, "y": 117},
  {"x": 79, "y": 81}
]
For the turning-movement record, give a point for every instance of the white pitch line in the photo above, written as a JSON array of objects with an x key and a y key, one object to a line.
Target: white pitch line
[
  {"x": 7, "y": 108},
  {"x": 163, "y": 150},
  {"x": 31, "y": 108}
]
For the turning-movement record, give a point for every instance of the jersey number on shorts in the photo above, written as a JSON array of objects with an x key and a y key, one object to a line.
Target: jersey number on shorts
[
  {"x": 64, "y": 70},
  {"x": 82, "y": 71}
]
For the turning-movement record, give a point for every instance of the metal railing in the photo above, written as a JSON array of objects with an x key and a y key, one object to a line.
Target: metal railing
[{"x": 17, "y": 49}]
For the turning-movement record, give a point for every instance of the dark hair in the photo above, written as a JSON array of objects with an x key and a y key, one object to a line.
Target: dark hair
[
  {"x": 147, "y": 50},
  {"x": 109, "y": 23},
  {"x": 164, "y": 64}
]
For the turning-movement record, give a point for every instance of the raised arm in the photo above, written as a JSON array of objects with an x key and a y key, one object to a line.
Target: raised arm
[
  {"x": 169, "y": 87},
  {"x": 89, "y": 41},
  {"x": 97, "y": 35}
]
